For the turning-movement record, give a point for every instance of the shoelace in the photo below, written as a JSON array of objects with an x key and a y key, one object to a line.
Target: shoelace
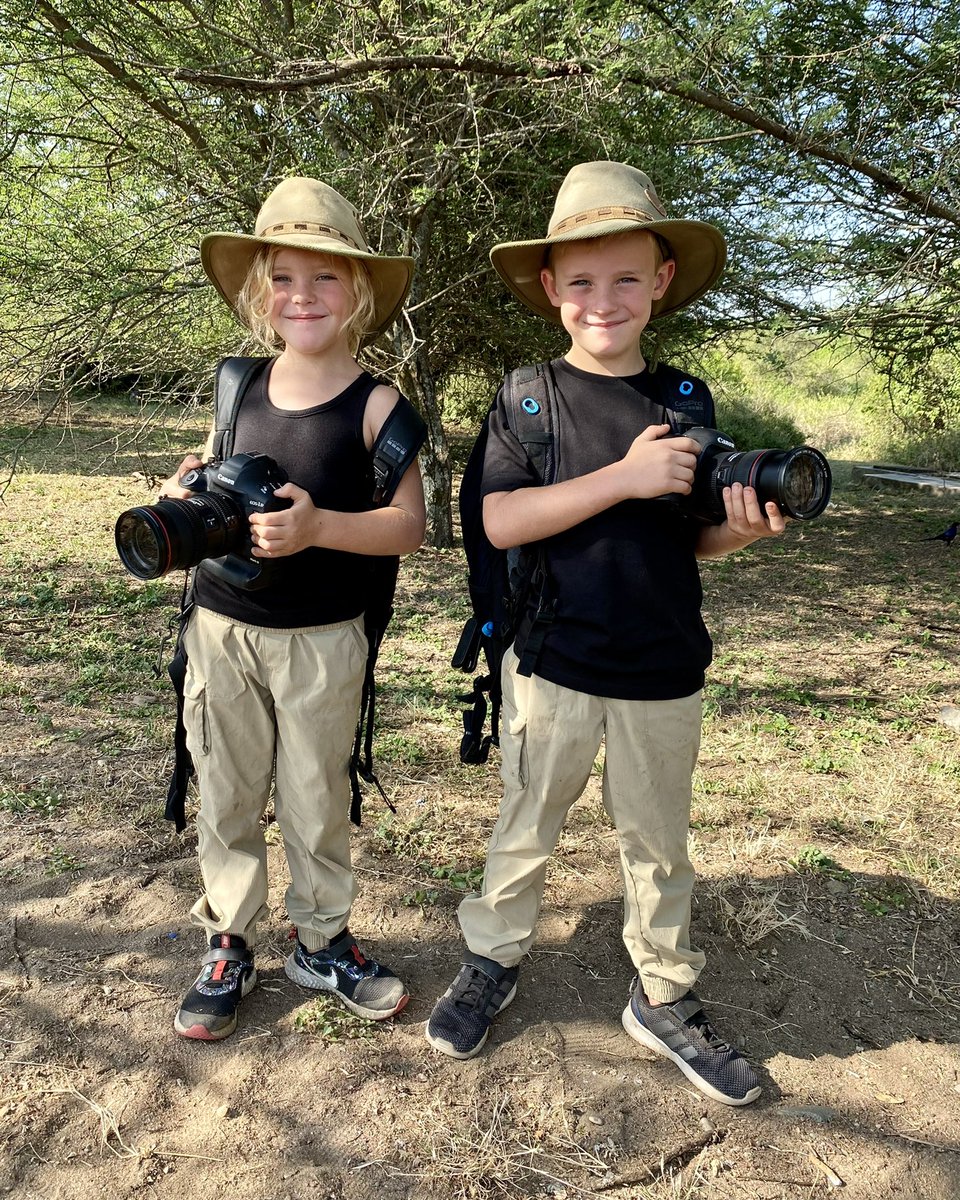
[
  {"x": 699, "y": 1022},
  {"x": 476, "y": 992}
]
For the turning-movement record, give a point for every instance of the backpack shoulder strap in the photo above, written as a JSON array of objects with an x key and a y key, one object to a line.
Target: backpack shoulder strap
[
  {"x": 499, "y": 581},
  {"x": 233, "y": 376},
  {"x": 686, "y": 398},
  {"x": 530, "y": 396},
  {"x": 530, "y": 399},
  {"x": 398, "y": 444}
]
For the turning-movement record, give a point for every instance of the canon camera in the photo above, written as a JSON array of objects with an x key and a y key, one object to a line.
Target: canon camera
[
  {"x": 797, "y": 480},
  {"x": 211, "y": 525}
]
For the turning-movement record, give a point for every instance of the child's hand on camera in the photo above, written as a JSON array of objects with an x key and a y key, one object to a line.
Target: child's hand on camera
[
  {"x": 746, "y": 520},
  {"x": 658, "y": 465},
  {"x": 170, "y": 489},
  {"x": 276, "y": 534}
]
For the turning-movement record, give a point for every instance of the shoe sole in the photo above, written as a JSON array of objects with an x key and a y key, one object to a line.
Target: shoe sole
[
  {"x": 449, "y": 1049},
  {"x": 640, "y": 1033},
  {"x": 307, "y": 979},
  {"x": 203, "y": 1033}
]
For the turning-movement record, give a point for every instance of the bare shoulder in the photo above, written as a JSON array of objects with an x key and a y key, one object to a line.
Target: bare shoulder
[{"x": 380, "y": 404}]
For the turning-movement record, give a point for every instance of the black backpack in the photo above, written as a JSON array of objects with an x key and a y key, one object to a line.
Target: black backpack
[
  {"x": 397, "y": 445},
  {"x": 501, "y": 582}
]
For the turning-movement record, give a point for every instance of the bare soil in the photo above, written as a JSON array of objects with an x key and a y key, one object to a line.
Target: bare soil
[{"x": 827, "y": 905}]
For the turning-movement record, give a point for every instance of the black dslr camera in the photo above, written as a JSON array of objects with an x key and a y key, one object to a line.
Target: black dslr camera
[
  {"x": 798, "y": 480},
  {"x": 214, "y": 524}
]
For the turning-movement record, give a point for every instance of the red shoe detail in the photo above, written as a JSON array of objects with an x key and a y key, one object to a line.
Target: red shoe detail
[
  {"x": 201, "y": 1033},
  {"x": 355, "y": 951}
]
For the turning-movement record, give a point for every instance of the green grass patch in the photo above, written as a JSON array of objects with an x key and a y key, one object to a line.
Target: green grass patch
[
  {"x": 327, "y": 1020},
  {"x": 37, "y": 801}
]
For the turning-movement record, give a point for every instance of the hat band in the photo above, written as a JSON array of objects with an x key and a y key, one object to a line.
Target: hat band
[
  {"x": 607, "y": 213},
  {"x": 309, "y": 227}
]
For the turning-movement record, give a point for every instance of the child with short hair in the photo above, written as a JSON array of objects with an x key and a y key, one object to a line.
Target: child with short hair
[
  {"x": 274, "y": 675},
  {"x": 623, "y": 660}
]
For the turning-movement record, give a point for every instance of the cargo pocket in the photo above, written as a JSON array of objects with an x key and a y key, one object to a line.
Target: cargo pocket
[
  {"x": 513, "y": 749},
  {"x": 359, "y": 637},
  {"x": 195, "y": 715}
]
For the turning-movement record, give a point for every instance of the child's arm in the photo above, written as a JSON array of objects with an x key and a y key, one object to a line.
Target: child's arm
[
  {"x": 655, "y": 465},
  {"x": 397, "y": 528},
  {"x": 745, "y": 523}
]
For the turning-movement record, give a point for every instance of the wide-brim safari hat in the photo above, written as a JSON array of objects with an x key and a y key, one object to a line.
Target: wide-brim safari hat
[
  {"x": 307, "y": 215},
  {"x": 600, "y": 198}
]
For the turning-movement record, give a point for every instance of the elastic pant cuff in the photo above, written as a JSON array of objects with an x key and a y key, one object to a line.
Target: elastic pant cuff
[{"x": 662, "y": 991}]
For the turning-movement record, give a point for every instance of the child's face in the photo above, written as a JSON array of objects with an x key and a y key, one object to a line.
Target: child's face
[
  {"x": 605, "y": 290},
  {"x": 312, "y": 300}
]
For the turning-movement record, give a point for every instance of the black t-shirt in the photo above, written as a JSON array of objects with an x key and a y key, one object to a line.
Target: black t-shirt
[
  {"x": 322, "y": 449},
  {"x": 628, "y": 622}
]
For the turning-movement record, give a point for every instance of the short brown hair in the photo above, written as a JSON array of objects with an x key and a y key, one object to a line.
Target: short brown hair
[{"x": 664, "y": 249}]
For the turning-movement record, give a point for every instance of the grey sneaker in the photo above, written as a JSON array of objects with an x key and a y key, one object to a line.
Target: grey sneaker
[
  {"x": 209, "y": 1010},
  {"x": 681, "y": 1032},
  {"x": 365, "y": 987},
  {"x": 460, "y": 1021}
]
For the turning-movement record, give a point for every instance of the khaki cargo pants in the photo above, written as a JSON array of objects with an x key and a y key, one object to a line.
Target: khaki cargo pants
[
  {"x": 550, "y": 739},
  {"x": 273, "y": 705}
]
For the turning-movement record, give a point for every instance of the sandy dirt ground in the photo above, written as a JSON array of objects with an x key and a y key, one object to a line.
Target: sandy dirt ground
[
  {"x": 861, "y": 1071},
  {"x": 839, "y": 982}
]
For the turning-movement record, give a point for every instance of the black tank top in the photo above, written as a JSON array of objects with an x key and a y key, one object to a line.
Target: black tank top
[{"x": 323, "y": 451}]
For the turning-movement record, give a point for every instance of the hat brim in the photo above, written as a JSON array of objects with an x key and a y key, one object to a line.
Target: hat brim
[
  {"x": 227, "y": 257},
  {"x": 698, "y": 248}
]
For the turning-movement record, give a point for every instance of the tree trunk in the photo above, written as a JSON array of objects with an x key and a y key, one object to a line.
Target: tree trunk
[{"x": 419, "y": 386}]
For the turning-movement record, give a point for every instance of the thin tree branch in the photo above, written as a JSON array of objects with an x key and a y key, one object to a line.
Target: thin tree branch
[{"x": 319, "y": 75}]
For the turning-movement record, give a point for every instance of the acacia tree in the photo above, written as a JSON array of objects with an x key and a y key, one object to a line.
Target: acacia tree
[{"x": 820, "y": 136}]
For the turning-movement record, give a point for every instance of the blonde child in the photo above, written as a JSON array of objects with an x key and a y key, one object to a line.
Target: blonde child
[{"x": 274, "y": 675}]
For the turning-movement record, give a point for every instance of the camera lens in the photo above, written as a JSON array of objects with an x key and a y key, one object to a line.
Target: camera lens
[
  {"x": 176, "y": 534},
  {"x": 798, "y": 480},
  {"x": 805, "y": 483}
]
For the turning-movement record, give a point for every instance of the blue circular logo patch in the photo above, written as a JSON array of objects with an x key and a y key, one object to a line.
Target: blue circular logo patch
[
  {"x": 686, "y": 388},
  {"x": 528, "y": 404}
]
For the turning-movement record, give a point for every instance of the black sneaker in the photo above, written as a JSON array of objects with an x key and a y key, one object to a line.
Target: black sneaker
[
  {"x": 681, "y": 1032},
  {"x": 460, "y": 1021},
  {"x": 209, "y": 1009},
  {"x": 365, "y": 987}
]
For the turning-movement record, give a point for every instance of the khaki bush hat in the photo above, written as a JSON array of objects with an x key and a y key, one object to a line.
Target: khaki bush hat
[
  {"x": 600, "y": 198},
  {"x": 307, "y": 215}
]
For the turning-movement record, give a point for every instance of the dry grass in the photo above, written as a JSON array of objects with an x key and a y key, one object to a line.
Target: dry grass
[{"x": 504, "y": 1147}]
